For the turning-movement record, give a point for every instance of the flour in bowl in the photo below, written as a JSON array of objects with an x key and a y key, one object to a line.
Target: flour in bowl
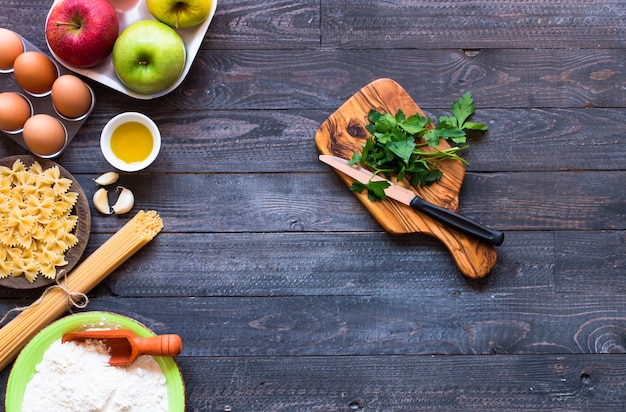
[{"x": 77, "y": 377}]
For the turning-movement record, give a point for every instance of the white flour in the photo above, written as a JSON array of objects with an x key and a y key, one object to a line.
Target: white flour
[{"x": 77, "y": 377}]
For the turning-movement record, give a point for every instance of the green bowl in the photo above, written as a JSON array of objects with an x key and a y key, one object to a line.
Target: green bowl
[{"x": 24, "y": 368}]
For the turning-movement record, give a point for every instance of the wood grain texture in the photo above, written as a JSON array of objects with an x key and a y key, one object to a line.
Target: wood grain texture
[
  {"x": 321, "y": 202},
  {"x": 290, "y": 296},
  {"x": 309, "y": 264},
  {"x": 265, "y": 79},
  {"x": 430, "y": 24},
  {"x": 591, "y": 261},
  {"x": 273, "y": 24},
  {"x": 259, "y": 141},
  {"x": 404, "y": 383},
  {"x": 403, "y": 24},
  {"x": 469, "y": 323}
]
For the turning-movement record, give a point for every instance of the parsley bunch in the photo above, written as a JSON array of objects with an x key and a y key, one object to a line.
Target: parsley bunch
[{"x": 396, "y": 146}]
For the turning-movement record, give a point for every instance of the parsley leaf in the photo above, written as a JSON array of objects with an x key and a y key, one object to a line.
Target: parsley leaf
[
  {"x": 394, "y": 147},
  {"x": 403, "y": 148},
  {"x": 375, "y": 189},
  {"x": 462, "y": 110},
  {"x": 414, "y": 124}
]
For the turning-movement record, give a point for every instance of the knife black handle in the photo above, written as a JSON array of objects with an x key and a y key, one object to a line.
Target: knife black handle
[{"x": 458, "y": 222}]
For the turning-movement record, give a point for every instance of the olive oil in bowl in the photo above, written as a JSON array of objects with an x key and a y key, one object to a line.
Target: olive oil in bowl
[{"x": 130, "y": 141}]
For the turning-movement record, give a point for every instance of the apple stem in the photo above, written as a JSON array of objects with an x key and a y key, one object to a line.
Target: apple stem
[{"x": 63, "y": 23}]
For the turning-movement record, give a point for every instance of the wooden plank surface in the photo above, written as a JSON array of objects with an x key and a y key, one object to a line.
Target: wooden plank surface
[
  {"x": 290, "y": 296},
  {"x": 426, "y": 323},
  {"x": 244, "y": 141},
  {"x": 321, "y": 78},
  {"x": 473, "y": 24},
  {"x": 468, "y": 383}
]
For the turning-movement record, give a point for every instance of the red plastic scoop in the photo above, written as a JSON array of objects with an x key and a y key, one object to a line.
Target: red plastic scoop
[{"x": 125, "y": 346}]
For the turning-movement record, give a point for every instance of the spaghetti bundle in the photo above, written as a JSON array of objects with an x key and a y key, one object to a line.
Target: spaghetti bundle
[{"x": 135, "y": 234}]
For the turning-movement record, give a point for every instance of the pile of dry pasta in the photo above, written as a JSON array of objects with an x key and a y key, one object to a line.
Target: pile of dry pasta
[
  {"x": 135, "y": 234},
  {"x": 37, "y": 226}
]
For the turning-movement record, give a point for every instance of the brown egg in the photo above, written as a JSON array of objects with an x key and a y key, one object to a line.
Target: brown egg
[
  {"x": 35, "y": 72},
  {"x": 71, "y": 96},
  {"x": 10, "y": 47},
  {"x": 14, "y": 111},
  {"x": 44, "y": 135}
]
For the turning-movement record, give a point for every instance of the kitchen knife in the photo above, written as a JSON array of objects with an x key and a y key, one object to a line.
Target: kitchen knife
[{"x": 407, "y": 197}]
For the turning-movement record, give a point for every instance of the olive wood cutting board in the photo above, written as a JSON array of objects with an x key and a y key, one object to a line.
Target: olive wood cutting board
[{"x": 344, "y": 133}]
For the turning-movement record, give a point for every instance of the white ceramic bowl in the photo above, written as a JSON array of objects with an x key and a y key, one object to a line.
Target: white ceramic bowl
[{"x": 105, "y": 141}]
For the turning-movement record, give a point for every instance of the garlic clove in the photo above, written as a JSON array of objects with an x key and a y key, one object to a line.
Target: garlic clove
[
  {"x": 101, "y": 201},
  {"x": 107, "y": 179},
  {"x": 125, "y": 201}
]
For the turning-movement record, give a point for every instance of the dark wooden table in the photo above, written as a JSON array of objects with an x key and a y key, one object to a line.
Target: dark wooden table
[{"x": 290, "y": 297}]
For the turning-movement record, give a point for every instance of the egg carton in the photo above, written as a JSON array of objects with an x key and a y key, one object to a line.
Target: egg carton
[{"x": 43, "y": 104}]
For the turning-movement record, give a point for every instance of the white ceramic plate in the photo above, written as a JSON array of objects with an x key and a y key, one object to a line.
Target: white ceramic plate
[{"x": 128, "y": 12}]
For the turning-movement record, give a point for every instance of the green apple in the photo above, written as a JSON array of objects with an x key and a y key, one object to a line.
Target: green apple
[
  {"x": 180, "y": 14},
  {"x": 148, "y": 56}
]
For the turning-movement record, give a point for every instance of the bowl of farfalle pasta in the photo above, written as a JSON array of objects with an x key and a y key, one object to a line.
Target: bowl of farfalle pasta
[{"x": 44, "y": 222}]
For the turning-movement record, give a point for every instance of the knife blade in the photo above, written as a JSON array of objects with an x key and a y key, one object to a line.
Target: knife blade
[{"x": 409, "y": 198}]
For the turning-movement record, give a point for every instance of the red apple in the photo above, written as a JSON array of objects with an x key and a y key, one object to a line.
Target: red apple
[{"x": 82, "y": 32}]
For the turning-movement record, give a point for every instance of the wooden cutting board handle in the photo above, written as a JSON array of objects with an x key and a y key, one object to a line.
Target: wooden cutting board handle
[{"x": 344, "y": 133}]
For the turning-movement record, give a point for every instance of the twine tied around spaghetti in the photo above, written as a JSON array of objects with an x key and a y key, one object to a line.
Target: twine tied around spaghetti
[{"x": 74, "y": 299}]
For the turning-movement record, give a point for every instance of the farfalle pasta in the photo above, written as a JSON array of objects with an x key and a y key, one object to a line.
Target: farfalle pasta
[{"x": 37, "y": 226}]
